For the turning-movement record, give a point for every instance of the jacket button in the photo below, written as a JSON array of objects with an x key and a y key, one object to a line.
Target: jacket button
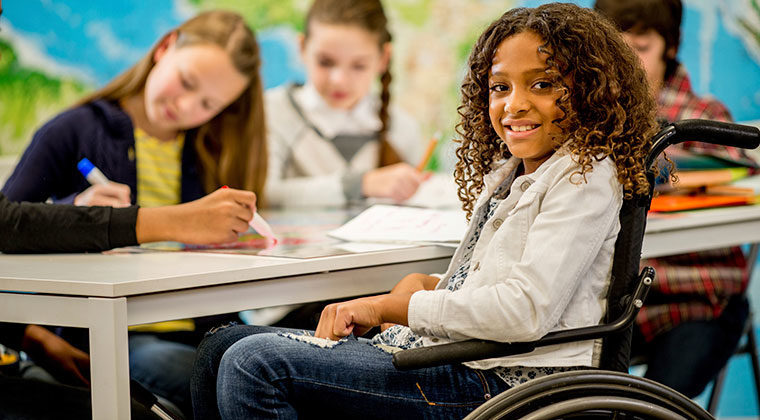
[
  {"x": 497, "y": 223},
  {"x": 477, "y": 266},
  {"x": 525, "y": 185},
  {"x": 435, "y": 340}
]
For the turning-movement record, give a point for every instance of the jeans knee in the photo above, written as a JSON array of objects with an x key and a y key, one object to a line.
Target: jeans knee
[{"x": 270, "y": 355}]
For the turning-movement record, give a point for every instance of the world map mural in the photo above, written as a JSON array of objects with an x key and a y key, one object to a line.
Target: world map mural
[{"x": 54, "y": 51}]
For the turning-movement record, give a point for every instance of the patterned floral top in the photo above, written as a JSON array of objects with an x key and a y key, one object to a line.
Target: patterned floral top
[{"x": 403, "y": 337}]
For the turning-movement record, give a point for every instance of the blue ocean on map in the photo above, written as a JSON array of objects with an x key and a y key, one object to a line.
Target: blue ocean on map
[{"x": 120, "y": 32}]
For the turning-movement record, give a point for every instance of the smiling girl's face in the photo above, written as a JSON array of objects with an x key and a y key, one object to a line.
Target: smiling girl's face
[
  {"x": 522, "y": 100},
  {"x": 342, "y": 61}
]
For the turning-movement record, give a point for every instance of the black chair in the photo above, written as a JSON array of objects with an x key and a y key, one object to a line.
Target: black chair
[{"x": 607, "y": 392}]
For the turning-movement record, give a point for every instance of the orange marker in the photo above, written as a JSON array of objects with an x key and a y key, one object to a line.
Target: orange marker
[{"x": 429, "y": 152}]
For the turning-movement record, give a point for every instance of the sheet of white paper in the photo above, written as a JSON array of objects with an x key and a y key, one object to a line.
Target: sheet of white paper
[
  {"x": 439, "y": 192},
  {"x": 399, "y": 224}
]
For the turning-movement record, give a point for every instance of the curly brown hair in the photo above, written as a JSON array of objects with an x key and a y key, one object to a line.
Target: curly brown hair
[{"x": 608, "y": 108}]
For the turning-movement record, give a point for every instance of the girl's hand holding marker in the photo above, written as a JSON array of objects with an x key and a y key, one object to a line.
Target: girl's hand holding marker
[
  {"x": 262, "y": 227},
  {"x": 102, "y": 192}
]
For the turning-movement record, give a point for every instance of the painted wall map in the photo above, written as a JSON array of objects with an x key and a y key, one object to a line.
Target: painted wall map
[{"x": 54, "y": 51}]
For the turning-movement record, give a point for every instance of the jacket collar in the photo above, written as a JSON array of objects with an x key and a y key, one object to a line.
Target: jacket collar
[{"x": 503, "y": 168}]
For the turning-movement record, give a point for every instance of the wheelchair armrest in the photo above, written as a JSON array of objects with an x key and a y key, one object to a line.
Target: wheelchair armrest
[{"x": 469, "y": 350}]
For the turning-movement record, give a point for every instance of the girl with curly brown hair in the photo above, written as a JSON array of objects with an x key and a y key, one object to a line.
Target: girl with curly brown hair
[{"x": 556, "y": 120}]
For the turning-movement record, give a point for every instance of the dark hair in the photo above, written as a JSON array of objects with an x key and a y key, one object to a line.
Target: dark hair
[
  {"x": 368, "y": 15},
  {"x": 608, "y": 108},
  {"x": 639, "y": 16}
]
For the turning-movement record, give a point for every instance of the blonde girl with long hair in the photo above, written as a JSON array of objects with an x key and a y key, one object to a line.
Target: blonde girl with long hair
[{"x": 185, "y": 120}]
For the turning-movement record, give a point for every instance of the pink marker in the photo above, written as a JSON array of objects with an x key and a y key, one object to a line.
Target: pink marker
[{"x": 262, "y": 227}]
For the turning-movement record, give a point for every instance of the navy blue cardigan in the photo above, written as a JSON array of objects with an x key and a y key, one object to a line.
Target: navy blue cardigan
[{"x": 100, "y": 131}]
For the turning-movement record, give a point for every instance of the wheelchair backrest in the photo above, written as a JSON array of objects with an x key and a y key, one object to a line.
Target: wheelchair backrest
[{"x": 616, "y": 348}]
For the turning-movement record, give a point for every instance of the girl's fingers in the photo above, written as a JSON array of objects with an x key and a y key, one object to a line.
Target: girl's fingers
[
  {"x": 240, "y": 226},
  {"x": 245, "y": 198}
]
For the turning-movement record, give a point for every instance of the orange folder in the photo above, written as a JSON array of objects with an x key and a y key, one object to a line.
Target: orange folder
[{"x": 665, "y": 203}]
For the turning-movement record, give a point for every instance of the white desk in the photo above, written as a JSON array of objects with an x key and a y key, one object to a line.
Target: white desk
[
  {"x": 106, "y": 293},
  {"x": 670, "y": 234}
]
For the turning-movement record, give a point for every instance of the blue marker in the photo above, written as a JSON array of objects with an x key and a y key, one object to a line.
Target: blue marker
[{"x": 91, "y": 173}]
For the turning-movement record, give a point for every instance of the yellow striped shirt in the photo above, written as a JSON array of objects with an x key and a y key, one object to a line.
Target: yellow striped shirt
[
  {"x": 159, "y": 172},
  {"x": 159, "y": 169}
]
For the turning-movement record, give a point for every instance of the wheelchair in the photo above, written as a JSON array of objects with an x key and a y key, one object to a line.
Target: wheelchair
[{"x": 607, "y": 391}]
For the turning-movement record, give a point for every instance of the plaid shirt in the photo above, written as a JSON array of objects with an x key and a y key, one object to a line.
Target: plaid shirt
[
  {"x": 677, "y": 102},
  {"x": 694, "y": 286}
]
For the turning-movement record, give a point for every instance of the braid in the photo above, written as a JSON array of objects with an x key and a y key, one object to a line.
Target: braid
[{"x": 387, "y": 155}]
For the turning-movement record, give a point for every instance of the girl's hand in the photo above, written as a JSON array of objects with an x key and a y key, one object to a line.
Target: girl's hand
[
  {"x": 397, "y": 182},
  {"x": 216, "y": 218},
  {"x": 112, "y": 194},
  {"x": 359, "y": 315},
  {"x": 408, "y": 285},
  {"x": 341, "y": 319},
  {"x": 56, "y": 353}
]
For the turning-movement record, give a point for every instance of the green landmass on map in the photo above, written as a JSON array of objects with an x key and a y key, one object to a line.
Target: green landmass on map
[
  {"x": 29, "y": 97},
  {"x": 262, "y": 14}
]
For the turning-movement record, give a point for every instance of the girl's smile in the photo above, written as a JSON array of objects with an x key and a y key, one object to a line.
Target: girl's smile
[
  {"x": 520, "y": 128},
  {"x": 522, "y": 100}
]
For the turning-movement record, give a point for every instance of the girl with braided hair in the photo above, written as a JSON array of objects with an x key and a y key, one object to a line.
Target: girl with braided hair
[{"x": 333, "y": 140}]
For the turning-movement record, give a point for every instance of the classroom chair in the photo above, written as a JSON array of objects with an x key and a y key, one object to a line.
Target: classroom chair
[{"x": 609, "y": 391}]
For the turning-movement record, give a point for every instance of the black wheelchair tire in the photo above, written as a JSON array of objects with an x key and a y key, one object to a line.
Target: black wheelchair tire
[{"x": 590, "y": 394}]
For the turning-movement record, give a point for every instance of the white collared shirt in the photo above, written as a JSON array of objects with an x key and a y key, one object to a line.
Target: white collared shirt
[
  {"x": 361, "y": 119},
  {"x": 306, "y": 169}
]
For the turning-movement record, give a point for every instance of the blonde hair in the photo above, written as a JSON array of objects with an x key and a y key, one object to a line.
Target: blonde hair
[
  {"x": 231, "y": 147},
  {"x": 368, "y": 15}
]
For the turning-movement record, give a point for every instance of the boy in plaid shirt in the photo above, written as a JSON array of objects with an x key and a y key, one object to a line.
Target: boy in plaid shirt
[{"x": 696, "y": 309}]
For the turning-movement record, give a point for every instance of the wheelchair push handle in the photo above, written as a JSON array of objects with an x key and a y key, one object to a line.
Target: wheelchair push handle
[
  {"x": 706, "y": 131},
  {"x": 723, "y": 133}
]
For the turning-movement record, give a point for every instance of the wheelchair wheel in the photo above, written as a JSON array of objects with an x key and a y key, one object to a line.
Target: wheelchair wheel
[{"x": 590, "y": 394}]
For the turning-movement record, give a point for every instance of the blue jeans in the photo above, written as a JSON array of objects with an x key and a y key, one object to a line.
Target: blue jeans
[
  {"x": 163, "y": 367},
  {"x": 267, "y": 372}
]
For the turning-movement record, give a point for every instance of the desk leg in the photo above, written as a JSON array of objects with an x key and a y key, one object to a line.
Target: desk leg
[
  {"x": 752, "y": 258},
  {"x": 109, "y": 359}
]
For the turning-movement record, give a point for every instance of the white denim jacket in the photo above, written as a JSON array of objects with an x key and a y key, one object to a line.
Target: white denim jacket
[{"x": 542, "y": 263}]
